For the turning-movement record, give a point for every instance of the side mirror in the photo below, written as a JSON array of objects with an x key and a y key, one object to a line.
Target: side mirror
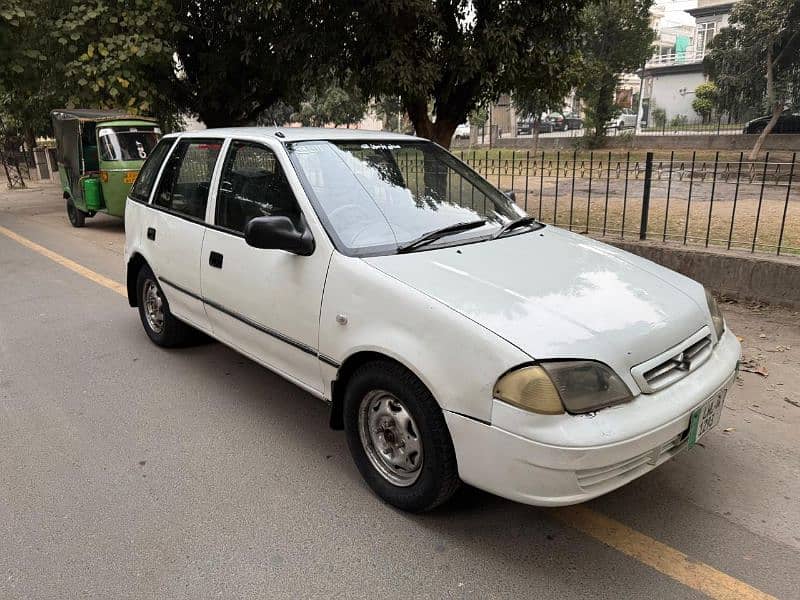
[{"x": 279, "y": 233}]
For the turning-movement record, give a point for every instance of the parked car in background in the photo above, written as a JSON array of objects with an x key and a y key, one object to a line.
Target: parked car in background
[
  {"x": 400, "y": 299},
  {"x": 462, "y": 132},
  {"x": 788, "y": 122},
  {"x": 565, "y": 122},
  {"x": 627, "y": 118},
  {"x": 527, "y": 125}
]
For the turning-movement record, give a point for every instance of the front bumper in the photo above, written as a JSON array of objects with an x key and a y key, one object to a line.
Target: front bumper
[{"x": 566, "y": 459}]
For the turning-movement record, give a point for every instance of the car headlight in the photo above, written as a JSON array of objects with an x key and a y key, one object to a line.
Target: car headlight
[
  {"x": 550, "y": 388},
  {"x": 716, "y": 315}
]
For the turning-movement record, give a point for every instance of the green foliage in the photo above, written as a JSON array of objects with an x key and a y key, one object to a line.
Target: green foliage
[
  {"x": 388, "y": 109},
  {"x": 618, "y": 39},
  {"x": 659, "y": 116},
  {"x": 763, "y": 36},
  {"x": 705, "y": 99},
  {"x": 276, "y": 115},
  {"x": 455, "y": 56},
  {"x": 332, "y": 105},
  {"x": 678, "y": 121},
  {"x": 119, "y": 54},
  {"x": 237, "y": 58},
  {"x": 535, "y": 101},
  {"x": 93, "y": 53},
  {"x": 479, "y": 116}
]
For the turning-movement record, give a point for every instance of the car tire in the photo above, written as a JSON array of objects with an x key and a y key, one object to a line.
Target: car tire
[
  {"x": 566, "y": 126},
  {"x": 77, "y": 218},
  {"x": 389, "y": 415},
  {"x": 161, "y": 326}
]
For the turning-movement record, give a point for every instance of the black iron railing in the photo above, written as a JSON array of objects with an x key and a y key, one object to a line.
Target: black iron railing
[{"x": 711, "y": 199}]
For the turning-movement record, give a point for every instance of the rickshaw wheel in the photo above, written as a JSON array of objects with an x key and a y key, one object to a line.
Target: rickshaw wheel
[{"x": 77, "y": 217}]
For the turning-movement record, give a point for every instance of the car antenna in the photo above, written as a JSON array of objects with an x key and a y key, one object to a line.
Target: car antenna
[{"x": 279, "y": 134}]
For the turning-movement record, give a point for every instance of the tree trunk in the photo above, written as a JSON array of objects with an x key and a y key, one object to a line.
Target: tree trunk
[
  {"x": 440, "y": 131},
  {"x": 777, "y": 107},
  {"x": 30, "y": 139}
]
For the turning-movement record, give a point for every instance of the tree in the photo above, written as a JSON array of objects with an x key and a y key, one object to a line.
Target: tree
[
  {"x": 238, "y": 58},
  {"x": 119, "y": 55},
  {"x": 332, "y": 104},
  {"x": 617, "y": 39},
  {"x": 95, "y": 53},
  {"x": 276, "y": 115},
  {"x": 705, "y": 99},
  {"x": 24, "y": 96},
  {"x": 756, "y": 60},
  {"x": 389, "y": 109},
  {"x": 454, "y": 55}
]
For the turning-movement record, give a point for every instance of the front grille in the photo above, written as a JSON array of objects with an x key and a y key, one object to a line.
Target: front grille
[
  {"x": 631, "y": 468},
  {"x": 675, "y": 364}
]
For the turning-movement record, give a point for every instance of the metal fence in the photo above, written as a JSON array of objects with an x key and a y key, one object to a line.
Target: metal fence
[
  {"x": 679, "y": 125},
  {"x": 697, "y": 199}
]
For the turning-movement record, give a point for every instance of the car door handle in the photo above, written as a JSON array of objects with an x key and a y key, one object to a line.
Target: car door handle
[
  {"x": 151, "y": 233},
  {"x": 215, "y": 260}
]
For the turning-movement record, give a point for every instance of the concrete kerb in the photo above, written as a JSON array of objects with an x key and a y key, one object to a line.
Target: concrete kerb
[{"x": 731, "y": 274}]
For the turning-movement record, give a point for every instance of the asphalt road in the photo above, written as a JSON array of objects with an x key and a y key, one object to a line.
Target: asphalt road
[{"x": 129, "y": 471}]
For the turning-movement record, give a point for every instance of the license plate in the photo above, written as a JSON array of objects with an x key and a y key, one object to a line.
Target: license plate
[
  {"x": 130, "y": 176},
  {"x": 706, "y": 416}
]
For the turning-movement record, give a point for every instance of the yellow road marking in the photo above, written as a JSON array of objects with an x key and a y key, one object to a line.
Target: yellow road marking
[
  {"x": 662, "y": 558},
  {"x": 65, "y": 262},
  {"x": 659, "y": 556}
]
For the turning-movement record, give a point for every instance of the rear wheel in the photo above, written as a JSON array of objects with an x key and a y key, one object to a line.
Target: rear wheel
[
  {"x": 161, "y": 326},
  {"x": 77, "y": 217},
  {"x": 398, "y": 437}
]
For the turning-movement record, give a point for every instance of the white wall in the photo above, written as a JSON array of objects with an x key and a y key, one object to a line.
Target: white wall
[{"x": 665, "y": 93}]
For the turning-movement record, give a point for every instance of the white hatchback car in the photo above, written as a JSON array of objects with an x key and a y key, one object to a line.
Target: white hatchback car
[{"x": 454, "y": 337}]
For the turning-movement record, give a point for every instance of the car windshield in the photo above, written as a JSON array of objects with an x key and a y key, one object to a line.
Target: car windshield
[
  {"x": 376, "y": 197},
  {"x": 127, "y": 143}
]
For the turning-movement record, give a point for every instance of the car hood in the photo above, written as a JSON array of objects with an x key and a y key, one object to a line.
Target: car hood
[{"x": 556, "y": 294}]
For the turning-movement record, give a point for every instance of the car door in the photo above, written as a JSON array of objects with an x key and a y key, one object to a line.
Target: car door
[
  {"x": 264, "y": 302},
  {"x": 176, "y": 225}
]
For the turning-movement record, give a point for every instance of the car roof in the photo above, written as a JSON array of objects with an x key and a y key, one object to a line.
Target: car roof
[
  {"x": 298, "y": 134},
  {"x": 91, "y": 114}
]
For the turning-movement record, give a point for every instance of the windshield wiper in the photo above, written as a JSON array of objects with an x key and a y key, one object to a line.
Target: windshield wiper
[
  {"x": 511, "y": 225},
  {"x": 434, "y": 235}
]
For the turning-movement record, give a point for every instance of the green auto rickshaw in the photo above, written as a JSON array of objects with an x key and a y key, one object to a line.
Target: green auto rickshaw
[{"x": 100, "y": 153}]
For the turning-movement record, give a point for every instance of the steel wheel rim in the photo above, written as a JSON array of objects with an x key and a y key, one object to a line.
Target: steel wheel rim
[
  {"x": 390, "y": 438},
  {"x": 153, "y": 306}
]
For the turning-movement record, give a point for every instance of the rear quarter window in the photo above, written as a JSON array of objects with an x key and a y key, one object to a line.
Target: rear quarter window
[{"x": 143, "y": 185}]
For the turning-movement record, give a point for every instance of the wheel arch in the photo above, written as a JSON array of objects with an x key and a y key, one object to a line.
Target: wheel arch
[
  {"x": 346, "y": 370},
  {"x": 135, "y": 264}
]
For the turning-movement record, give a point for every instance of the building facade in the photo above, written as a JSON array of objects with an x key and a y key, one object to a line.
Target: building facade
[{"x": 676, "y": 68}]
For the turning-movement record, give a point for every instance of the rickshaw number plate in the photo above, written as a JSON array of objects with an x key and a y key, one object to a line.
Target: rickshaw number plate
[{"x": 130, "y": 176}]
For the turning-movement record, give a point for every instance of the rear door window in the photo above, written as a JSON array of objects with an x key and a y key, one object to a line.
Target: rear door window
[{"x": 186, "y": 181}]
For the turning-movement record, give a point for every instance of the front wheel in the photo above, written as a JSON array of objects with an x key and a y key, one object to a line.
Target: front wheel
[
  {"x": 161, "y": 326},
  {"x": 77, "y": 217},
  {"x": 398, "y": 437}
]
